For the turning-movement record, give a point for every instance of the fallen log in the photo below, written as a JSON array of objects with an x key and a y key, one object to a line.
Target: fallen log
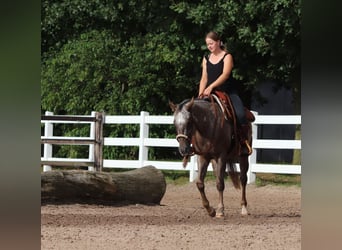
[{"x": 144, "y": 185}]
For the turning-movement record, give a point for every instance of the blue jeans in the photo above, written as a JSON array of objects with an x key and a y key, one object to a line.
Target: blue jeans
[{"x": 238, "y": 108}]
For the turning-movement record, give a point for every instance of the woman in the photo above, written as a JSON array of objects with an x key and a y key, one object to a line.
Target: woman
[{"x": 216, "y": 75}]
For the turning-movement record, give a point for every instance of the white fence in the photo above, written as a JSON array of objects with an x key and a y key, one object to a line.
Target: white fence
[{"x": 144, "y": 142}]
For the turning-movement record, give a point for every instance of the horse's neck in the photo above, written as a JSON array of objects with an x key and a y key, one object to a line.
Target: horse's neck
[
  {"x": 206, "y": 115},
  {"x": 209, "y": 109}
]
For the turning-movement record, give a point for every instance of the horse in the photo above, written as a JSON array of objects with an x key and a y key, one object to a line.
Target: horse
[{"x": 202, "y": 129}]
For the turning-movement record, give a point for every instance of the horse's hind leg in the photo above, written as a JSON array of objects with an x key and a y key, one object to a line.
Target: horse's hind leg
[
  {"x": 243, "y": 178},
  {"x": 202, "y": 171}
]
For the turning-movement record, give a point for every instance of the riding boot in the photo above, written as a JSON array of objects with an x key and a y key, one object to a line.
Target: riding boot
[{"x": 245, "y": 149}]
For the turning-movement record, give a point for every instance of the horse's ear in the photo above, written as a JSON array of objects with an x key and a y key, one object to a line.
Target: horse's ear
[
  {"x": 189, "y": 104},
  {"x": 172, "y": 106}
]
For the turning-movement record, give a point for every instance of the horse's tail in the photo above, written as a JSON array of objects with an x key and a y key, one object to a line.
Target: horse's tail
[{"x": 233, "y": 175}]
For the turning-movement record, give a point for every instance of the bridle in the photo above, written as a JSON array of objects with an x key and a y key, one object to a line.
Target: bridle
[{"x": 183, "y": 136}]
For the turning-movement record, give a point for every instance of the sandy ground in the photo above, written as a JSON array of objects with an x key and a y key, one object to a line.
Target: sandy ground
[{"x": 179, "y": 222}]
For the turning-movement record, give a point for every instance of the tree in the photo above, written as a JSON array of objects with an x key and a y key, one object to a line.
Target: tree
[
  {"x": 263, "y": 36},
  {"x": 94, "y": 73}
]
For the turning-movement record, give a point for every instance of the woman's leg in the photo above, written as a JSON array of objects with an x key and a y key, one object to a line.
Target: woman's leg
[
  {"x": 238, "y": 108},
  {"x": 243, "y": 127}
]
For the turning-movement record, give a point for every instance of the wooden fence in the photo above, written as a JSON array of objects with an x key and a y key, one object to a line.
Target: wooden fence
[
  {"x": 95, "y": 140},
  {"x": 96, "y": 143}
]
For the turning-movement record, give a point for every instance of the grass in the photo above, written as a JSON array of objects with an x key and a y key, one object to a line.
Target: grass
[
  {"x": 278, "y": 179},
  {"x": 182, "y": 177},
  {"x": 176, "y": 177}
]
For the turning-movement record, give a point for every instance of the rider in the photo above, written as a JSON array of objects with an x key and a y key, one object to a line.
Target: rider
[{"x": 216, "y": 70}]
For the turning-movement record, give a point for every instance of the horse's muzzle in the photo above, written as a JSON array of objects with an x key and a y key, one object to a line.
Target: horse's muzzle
[
  {"x": 186, "y": 152},
  {"x": 185, "y": 148}
]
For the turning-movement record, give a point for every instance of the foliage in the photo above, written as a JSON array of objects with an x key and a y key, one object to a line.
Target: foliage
[
  {"x": 77, "y": 79},
  {"x": 99, "y": 72},
  {"x": 264, "y": 36}
]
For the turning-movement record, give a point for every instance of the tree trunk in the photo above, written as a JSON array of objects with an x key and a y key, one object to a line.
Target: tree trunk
[{"x": 143, "y": 185}]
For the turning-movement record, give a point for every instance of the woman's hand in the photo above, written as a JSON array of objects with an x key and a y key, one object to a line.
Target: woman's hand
[{"x": 208, "y": 91}]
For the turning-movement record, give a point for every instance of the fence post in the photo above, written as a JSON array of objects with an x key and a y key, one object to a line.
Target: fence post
[
  {"x": 193, "y": 168},
  {"x": 144, "y": 130},
  {"x": 91, "y": 146},
  {"x": 98, "y": 147},
  {"x": 253, "y": 157},
  {"x": 48, "y": 131}
]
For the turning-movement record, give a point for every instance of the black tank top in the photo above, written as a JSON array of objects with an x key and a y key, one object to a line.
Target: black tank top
[{"x": 214, "y": 71}]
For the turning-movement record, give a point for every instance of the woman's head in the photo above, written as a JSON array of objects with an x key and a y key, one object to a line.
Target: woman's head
[
  {"x": 213, "y": 41},
  {"x": 213, "y": 36}
]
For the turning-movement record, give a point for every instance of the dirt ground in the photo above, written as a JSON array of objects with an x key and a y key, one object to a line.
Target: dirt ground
[{"x": 179, "y": 222}]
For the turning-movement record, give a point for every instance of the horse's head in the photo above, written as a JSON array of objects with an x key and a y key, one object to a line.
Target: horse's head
[{"x": 184, "y": 126}]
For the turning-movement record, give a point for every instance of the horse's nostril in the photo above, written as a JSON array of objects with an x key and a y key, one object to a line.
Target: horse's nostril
[{"x": 185, "y": 150}]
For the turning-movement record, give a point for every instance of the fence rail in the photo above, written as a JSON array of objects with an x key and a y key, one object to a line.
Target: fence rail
[{"x": 96, "y": 143}]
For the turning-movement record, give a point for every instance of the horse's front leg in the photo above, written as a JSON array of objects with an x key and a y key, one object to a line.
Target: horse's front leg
[
  {"x": 243, "y": 178},
  {"x": 202, "y": 171},
  {"x": 220, "y": 171}
]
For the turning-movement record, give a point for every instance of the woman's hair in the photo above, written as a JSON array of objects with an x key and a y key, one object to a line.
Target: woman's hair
[
  {"x": 216, "y": 37},
  {"x": 213, "y": 35}
]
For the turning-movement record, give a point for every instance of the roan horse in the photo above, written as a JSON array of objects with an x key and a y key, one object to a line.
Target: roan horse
[{"x": 203, "y": 130}]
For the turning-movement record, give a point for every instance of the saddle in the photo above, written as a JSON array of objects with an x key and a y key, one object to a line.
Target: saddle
[
  {"x": 223, "y": 100},
  {"x": 226, "y": 106}
]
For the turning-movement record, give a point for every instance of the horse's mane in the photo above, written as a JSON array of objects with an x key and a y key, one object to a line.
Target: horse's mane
[{"x": 180, "y": 105}]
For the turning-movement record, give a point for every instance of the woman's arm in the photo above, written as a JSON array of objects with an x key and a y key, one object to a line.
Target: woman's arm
[{"x": 204, "y": 78}]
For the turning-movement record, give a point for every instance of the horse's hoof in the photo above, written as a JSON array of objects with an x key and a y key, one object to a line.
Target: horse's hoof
[
  {"x": 244, "y": 211},
  {"x": 220, "y": 212},
  {"x": 219, "y": 215},
  {"x": 212, "y": 212}
]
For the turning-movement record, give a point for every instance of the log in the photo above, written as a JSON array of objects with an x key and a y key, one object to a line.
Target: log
[{"x": 144, "y": 185}]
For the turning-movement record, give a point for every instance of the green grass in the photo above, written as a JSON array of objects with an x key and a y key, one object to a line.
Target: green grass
[
  {"x": 182, "y": 177},
  {"x": 179, "y": 177},
  {"x": 176, "y": 177},
  {"x": 278, "y": 179}
]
